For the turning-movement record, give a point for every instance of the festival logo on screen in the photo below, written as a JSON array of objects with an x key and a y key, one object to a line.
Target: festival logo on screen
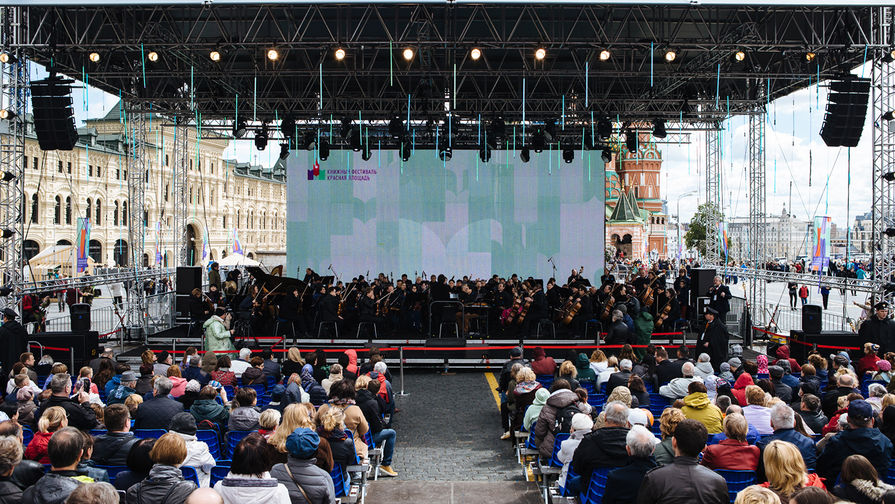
[
  {"x": 353, "y": 174},
  {"x": 316, "y": 173}
]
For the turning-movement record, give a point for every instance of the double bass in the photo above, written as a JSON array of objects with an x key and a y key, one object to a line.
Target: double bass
[{"x": 647, "y": 298}]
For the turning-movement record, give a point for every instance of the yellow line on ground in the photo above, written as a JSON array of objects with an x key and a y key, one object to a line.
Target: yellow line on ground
[{"x": 492, "y": 384}]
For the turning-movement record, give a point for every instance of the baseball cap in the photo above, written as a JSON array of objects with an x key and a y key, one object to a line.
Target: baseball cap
[{"x": 860, "y": 410}]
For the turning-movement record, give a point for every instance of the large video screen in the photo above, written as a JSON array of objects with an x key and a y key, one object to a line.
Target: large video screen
[{"x": 461, "y": 217}]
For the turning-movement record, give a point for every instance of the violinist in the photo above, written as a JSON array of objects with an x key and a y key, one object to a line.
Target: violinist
[
  {"x": 367, "y": 308},
  {"x": 198, "y": 310},
  {"x": 554, "y": 300},
  {"x": 643, "y": 279},
  {"x": 574, "y": 278},
  {"x": 215, "y": 296},
  {"x": 328, "y": 307},
  {"x": 664, "y": 308},
  {"x": 467, "y": 297},
  {"x": 584, "y": 313},
  {"x": 310, "y": 276},
  {"x": 537, "y": 311},
  {"x": 682, "y": 286}
]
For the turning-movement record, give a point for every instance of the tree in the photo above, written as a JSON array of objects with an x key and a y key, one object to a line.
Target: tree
[{"x": 695, "y": 238}]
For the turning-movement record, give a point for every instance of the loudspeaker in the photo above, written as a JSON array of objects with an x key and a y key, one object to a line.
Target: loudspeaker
[
  {"x": 84, "y": 344},
  {"x": 846, "y": 110},
  {"x": 800, "y": 352},
  {"x": 54, "y": 118},
  {"x": 188, "y": 278},
  {"x": 182, "y": 305},
  {"x": 811, "y": 319},
  {"x": 80, "y": 317},
  {"x": 700, "y": 282}
]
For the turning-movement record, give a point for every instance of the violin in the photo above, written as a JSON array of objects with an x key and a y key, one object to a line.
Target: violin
[
  {"x": 663, "y": 315},
  {"x": 607, "y": 309},
  {"x": 574, "y": 306},
  {"x": 647, "y": 297},
  {"x": 524, "y": 312}
]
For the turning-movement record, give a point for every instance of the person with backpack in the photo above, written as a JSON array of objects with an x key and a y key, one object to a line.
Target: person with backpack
[{"x": 556, "y": 415}]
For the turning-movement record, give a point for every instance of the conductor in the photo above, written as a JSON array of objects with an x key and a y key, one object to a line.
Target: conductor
[{"x": 714, "y": 338}]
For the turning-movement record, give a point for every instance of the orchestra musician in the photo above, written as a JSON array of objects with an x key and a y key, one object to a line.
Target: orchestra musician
[
  {"x": 199, "y": 310},
  {"x": 584, "y": 313},
  {"x": 537, "y": 311},
  {"x": 682, "y": 286},
  {"x": 290, "y": 314},
  {"x": 367, "y": 308}
]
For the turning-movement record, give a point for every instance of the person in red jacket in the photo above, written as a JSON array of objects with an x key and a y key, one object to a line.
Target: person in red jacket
[
  {"x": 53, "y": 419},
  {"x": 739, "y": 388},
  {"x": 733, "y": 453},
  {"x": 542, "y": 364},
  {"x": 783, "y": 354},
  {"x": 867, "y": 363}
]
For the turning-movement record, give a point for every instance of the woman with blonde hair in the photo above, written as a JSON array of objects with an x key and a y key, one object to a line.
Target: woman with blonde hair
[
  {"x": 598, "y": 361},
  {"x": 568, "y": 372},
  {"x": 294, "y": 416},
  {"x": 335, "y": 374},
  {"x": 526, "y": 387},
  {"x": 757, "y": 494},
  {"x": 268, "y": 422},
  {"x": 133, "y": 402},
  {"x": 603, "y": 377},
  {"x": 785, "y": 469},
  {"x": 53, "y": 419},
  {"x": 293, "y": 363},
  {"x": 664, "y": 451},
  {"x": 331, "y": 426},
  {"x": 165, "y": 483}
]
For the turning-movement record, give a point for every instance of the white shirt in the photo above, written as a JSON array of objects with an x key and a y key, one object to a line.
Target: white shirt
[
  {"x": 239, "y": 366},
  {"x": 198, "y": 456},
  {"x": 244, "y": 494}
]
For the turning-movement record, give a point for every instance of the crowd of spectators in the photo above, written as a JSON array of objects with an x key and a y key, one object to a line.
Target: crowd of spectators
[{"x": 111, "y": 432}]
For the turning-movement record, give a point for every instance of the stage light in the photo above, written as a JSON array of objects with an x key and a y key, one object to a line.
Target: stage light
[
  {"x": 8, "y": 233},
  {"x": 604, "y": 128},
  {"x": 152, "y": 56},
  {"x": 6, "y": 57},
  {"x": 659, "y": 128},
  {"x": 605, "y": 55},
  {"x": 888, "y": 116},
  {"x": 345, "y": 129},
  {"x": 94, "y": 57},
  {"x": 215, "y": 56},
  {"x": 568, "y": 155},
  {"x": 340, "y": 54},
  {"x": 323, "y": 151},
  {"x": 890, "y": 232},
  {"x": 354, "y": 140},
  {"x": 239, "y": 129},
  {"x": 7, "y": 114},
  {"x": 889, "y": 177},
  {"x": 538, "y": 140},
  {"x": 670, "y": 55},
  {"x": 475, "y": 53},
  {"x": 550, "y": 129},
  {"x": 287, "y": 127},
  {"x": 366, "y": 154},
  {"x": 497, "y": 129},
  {"x": 5, "y": 291},
  {"x": 540, "y": 54},
  {"x": 396, "y": 127},
  {"x": 261, "y": 137},
  {"x": 310, "y": 140},
  {"x": 445, "y": 153},
  {"x": 809, "y": 56},
  {"x": 887, "y": 57},
  {"x": 485, "y": 153},
  {"x": 631, "y": 140},
  {"x": 739, "y": 56},
  {"x": 406, "y": 149},
  {"x": 606, "y": 156},
  {"x": 408, "y": 54},
  {"x": 284, "y": 151},
  {"x": 6, "y": 176},
  {"x": 273, "y": 54}
]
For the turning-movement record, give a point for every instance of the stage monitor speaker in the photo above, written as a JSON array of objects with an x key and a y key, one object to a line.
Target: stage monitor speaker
[
  {"x": 846, "y": 111},
  {"x": 700, "y": 282},
  {"x": 80, "y": 317},
  {"x": 54, "y": 118},
  {"x": 811, "y": 319},
  {"x": 800, "y": 352},
  {"x": 85, "y": 345},
  {"x": 188, "y": 278},
  {"x": 182, "y": 305}
]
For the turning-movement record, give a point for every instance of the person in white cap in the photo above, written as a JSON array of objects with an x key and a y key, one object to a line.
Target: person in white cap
[{"x": 581, "y": 425}]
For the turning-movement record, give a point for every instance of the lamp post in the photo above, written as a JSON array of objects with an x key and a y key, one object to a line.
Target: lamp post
[{"x": 678, "y": 217}]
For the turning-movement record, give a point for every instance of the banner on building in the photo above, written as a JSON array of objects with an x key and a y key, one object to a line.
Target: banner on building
[
  {"x": 820, "y": 257},
  {"x": 722, "y": 236},
  {"x": 158, "y": 243},
  {"x": 83, "y": 243},
  {"x": 237, "y": 246}
]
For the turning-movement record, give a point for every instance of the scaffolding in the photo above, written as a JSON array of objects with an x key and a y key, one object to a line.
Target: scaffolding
[
  {"x": 712, "y": 214},
  {"x": 757, "y": 291},
  {"x": 181, "y": 162},
  {"x": 883, "y": 102},
  {"x": 14, "y": 100},
  {"x": 136, "y": 224}
]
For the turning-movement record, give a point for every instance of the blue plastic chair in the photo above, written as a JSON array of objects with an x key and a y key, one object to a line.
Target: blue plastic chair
[
  {"x": 113, "y": 471},
  {"x": 603, "y": 387},
  {"x": 368, "y": 440},
  {"x": 271, "y": 381},
  {"x": 865, "y": 386},
  {"x": 736, "y": 481},
  {"x": 545, "y": 380},
  {"x": 233, "y": 439},
  {"x": 590, "y": 387},
  {"x": 890, "y": 474},
  {"x": 190, "y": 474},
  {"x": 340, "y": 481},
  {"x": 557, "y": 441},
  {"x": 218, "y": 473},
  {"x": 27, "y": 436},
  {"x": 210, "y": 437},
  {"x": 530, "y": 442},
  {"x": 596, "y": 400},
  {"x": 597, "y": 485},
  {"x": 149, "y": 433},
  {"x": 98, "y": 432}
]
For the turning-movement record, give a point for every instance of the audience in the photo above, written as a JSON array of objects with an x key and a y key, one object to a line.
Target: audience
[
  {"x": 342, "y": 397},
  {"x": 52, "y": 420},
  {"x": 165, "y": 483},
  {"x": 95, "y": 493},
  {"x": 249, "y": 479},
  {"x": 197, "y": 453},
  {"x": 859, "y": 482},
  {"x": 561, "y": 397},
  {"x": 786, "y": 471},
  {"x": 222, "y": 372},
  {"x": 335, "y": 374},
  {"x": 664, "y": 451},
  {"x": 113, "y": 447},
  {"x": 581, "y": 425},
  {"x": 623, "y": 484},
  {"x": 845, "y": 386},
  {"x": 305, "y": 482},
  {"x": 783, "y": 422},
  {"x": 859, "y": 439},
  {"x": 65, "y": 450},
  {"x": 244, "y": 415},
  {"x": 298, "y": 416},
  {"x": 204, "y": 496},
  {"x": 733, "y": 453},
  {"x": 755, "y": 494},
  {"x": 698, "y": 406},
  {"x": 756, "y": 411},
  {"x": 604, "y": 447},
  {"x": 178, "y": 382},
  {"x": 156, "y": 413},
  {"x": 138, "y": 465},
  {"x": 207, "y": 408},
  {"x": 268, "y": 421},
  {"x": 809, "y": 410},
  {"x": 678, "y": 387},
  {"x": 621, "y": 377},
  {"x": 382, "y": 437},
  {"x": 10, "y": 457},
  {"x": 78, "y": 411}
]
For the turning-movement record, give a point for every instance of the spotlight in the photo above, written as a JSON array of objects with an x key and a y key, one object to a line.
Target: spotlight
[
  {"x": 261, "y": 137},
  {"x": 670, "y": 55},
  {"x": 631, "y": 140},
  {"x": 606, "y": 156},
  {"x": 345, "y": 129},
  {"x": 659, "y": 128},
  {"x": 340, "y": 54},
  {"x": 7, "y": 114},
  {"x": 550, "y": 129},
  {"x": 239, "y": 129},
  {"x": 287, "y": 127},
  {"x": 152, "y": 56},
  {"x": 538, "y": 140},
  {"x": 354, "y": 139},
  {"x": 888, "y": 116},
  {"x": 605, "y": 55},
  {"x": 8, "y": 233},
  {"x": 888, "y": 177},
  {"x": 888, "y": 57},
  {"x": 6, "y": 176},
  {"x": 540, "y": 54},
  {"x": 475, "y": 53},
  {"x": 396, "y": 127},
  {"x": 406, "y": 149},
  {"x": 273, "y": 54},
  {"x": 525, "y": 154},
  {"x": 310, "y": 140},
  {"x": 323, "y": 151},
  {"x": 739, "y": 56},
  {"x": 366, "y": 154},
  {"x": 497, "y": 128},
  {"x": 215, "y": 56},
  {"x": 445, "y": 153},
  {"x": 284, "y": 151},
  {"x": 890, "y": 232},
  {"x": 568, "y": 155},
  {"x": 604, "y": 128},
  {"x": 485, "y": 153},
  {"x": 809, "y": 56},
  {"x": 94, "y": 57},
  {"x": 6, "y": 57},
  {"x": 408, "y": 54}
]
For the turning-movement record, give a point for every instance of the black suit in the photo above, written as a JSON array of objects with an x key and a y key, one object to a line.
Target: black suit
[
  {"x": 619, "y": 379},
  {"x": 328, "y": 308},
  {"x": 668, "y": 370},
  {"x": 719, "y": 299},
  {"x": 717, "y": 338},
  {"x": 157, "y": 413}
]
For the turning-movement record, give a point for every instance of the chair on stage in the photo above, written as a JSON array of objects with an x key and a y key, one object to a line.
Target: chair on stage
[
  {"x": 333, "y": 323},
  {"x": 596, "y": 324},
  {"x": 449, "y": 323},
  {"x": 370, "y": 323},
  {"x": 289, "y": 323},
  {"x": 546, "y": 322}
]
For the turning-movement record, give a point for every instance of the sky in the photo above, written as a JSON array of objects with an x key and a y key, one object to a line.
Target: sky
[{"x": 800, "y": 167}]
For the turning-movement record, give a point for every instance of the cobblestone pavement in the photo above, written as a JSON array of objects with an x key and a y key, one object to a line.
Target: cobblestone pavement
[{"x": 449, "y": 430}]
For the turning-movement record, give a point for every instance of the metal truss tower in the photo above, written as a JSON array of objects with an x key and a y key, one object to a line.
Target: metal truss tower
[
  {"x": 136, "y": 226},
  {"x": 757, "y": 291},
  {"x": 181, "y": 193},
  {"x": 883, "y": 102},
  {"x": 14, "y": 85},
  {"x": 713, "y": 195}
]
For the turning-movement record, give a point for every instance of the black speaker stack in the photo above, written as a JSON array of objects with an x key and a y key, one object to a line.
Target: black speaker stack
[
  {"x": 846, "y": 110},
  {"x": 54, "y": 117},
  {"x": 811, "y": 319},
  {"x": 701, "y": 280},
  {"x": 188, "y": 278},
  {"x": 80, "y": 317},
  {"x": 85, "y": 345}
]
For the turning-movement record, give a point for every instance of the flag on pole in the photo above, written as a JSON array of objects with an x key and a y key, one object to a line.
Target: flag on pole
[
  {"x": 83, "y": 240},
  {"x": 158, "y": 238},
  {"x": 722, "y": 234},
  {"x": 205, "y": 243},
  {"x": 237, "y": 246},
  {"x": 820, "y": 256}
]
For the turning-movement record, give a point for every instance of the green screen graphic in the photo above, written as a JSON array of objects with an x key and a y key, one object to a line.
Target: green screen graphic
[{"x": 463, "y": 217}]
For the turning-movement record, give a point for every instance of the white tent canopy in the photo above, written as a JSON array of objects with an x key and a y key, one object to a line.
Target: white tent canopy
[{"x": 235, "y": 259}]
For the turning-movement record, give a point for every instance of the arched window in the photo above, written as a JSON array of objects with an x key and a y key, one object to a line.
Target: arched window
[
  {"x": 115, "y": 215},
  {"x": 57, "y": 214},
  {"x": 31, "y": 249},
  {"x": 237, "y": 218},
  {"x": 35, "y": 209},
  {"x": 89, "y": 208},
  {"x": 95, "y": 250},
  {"x": 99, "y": 212},
  {"x": 120, "y": 253},
  {"x": 124, "y": 213},
  {"x": 68, "y": 209}
]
